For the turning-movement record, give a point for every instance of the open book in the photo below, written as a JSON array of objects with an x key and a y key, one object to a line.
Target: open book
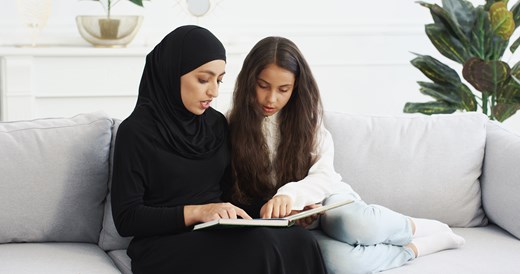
[{"x": 275, "y": 222}]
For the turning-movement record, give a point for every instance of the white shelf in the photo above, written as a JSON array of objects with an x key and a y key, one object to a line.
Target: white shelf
[{"x": 77, "y": 51}]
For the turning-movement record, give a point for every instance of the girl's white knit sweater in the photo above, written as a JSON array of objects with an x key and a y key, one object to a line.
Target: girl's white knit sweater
[{"x": 321, "y": 181}]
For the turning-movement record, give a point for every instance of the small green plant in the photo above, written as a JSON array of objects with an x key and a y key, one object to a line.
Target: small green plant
[
  {"x": 108, "y": 4},
  {"x": 476, "y": 38}
]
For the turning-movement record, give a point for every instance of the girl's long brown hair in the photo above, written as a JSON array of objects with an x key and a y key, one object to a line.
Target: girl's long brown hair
[{"x": 299, "y": 121}]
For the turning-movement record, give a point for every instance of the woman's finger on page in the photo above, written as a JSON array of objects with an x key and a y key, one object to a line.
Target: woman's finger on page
[{"x": 240, "y": 212}]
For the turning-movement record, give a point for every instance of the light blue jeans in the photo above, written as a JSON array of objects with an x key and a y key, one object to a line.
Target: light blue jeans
[{"x": 376, "y": 234}]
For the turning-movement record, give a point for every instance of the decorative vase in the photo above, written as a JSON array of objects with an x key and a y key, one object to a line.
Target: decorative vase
[
  {"x": 114, "y": 31},
  {"x": 34, "y": 14}
]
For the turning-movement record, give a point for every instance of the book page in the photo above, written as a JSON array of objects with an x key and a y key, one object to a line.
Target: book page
[{"x": 317, "y": 210}]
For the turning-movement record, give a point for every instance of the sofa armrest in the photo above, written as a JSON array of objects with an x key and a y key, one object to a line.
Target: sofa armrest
[{"x": 501, "y": 178}]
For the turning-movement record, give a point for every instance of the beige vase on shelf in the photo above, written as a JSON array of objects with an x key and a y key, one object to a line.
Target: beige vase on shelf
[{"x": 114, "y": 31}]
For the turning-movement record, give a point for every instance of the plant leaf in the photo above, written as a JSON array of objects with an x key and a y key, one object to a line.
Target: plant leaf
[
  {"x": 502, "y": 20},
  {"x": 440, "y": 92},
  {"x": 515, "y": 9},
  {"x": 479, "y": 37},
  {"x": 510, "y": 91},
  {"x": 446, "y": 44},
  {"x": 442, "y": 17},
  {"x": 429, "y": 108},
  {"x": 468, "y": 100},
  {"x": 137, "y": 2},
  {"x": 489, "y": 3},
  {"x": 436, "y": 70},
  {"x": 460, "y": 96},
  {"x": 497, "y": 47},
  {"x": 485, "y": 76},
  {"x": 515, "y": 45},
  {"x": 462, "y": 12},
  {"x": 502, "y": 111}
]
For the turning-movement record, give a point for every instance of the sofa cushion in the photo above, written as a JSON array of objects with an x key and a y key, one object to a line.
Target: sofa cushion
[
  {"x": 122, "y": 261},
  {"x": 501, "y": 178},
  {"x": 488, "y": 249},
  {"x": 55, "y": 258},
  {"x": 54, "y": 175},
  {"x": 109, "y": 239},
  {"x": 421, "y": 166}
]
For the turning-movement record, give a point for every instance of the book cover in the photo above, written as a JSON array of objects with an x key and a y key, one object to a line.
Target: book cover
[{"x": 274, "y": 222}]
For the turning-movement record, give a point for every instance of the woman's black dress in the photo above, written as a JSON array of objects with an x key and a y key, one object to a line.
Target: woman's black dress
[{"x": 150, "y": 187}]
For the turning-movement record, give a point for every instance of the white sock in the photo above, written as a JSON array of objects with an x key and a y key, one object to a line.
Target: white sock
[
  {"x": 437, "y": 242},
  {"x": 426, "y": 227}
]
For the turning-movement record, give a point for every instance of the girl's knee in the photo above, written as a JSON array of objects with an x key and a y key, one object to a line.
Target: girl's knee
[{"x": 350, "y": 224}]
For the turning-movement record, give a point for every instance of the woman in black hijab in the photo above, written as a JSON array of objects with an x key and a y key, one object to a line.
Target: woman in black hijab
[{"x": 171, "y": 164}]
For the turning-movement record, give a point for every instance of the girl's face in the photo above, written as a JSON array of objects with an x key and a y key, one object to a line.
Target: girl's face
[
  {"x": 200, "y": 86},
  {"x": 274, "y": 87}
]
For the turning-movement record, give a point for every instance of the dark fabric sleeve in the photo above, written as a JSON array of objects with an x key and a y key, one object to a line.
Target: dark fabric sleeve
[{"x": 131, "y": 216}]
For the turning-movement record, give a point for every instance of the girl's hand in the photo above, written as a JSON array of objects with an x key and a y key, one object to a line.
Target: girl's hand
[
  {"x": 278, "y": 207},
  {"x": 307, "y": 221},
  {"x": 204, "y": 213}
]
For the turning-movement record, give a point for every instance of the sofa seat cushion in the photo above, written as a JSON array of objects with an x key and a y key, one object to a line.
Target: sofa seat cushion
[
  {"x": 54, "y": 178},
  {"x": 488, "y": 249},
  {"x": 421, "y": 166},
  {"x": 55, "y": 258},
  {"x": 122, "y": 261}
]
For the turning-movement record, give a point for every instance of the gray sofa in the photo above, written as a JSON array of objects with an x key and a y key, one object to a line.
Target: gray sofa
[{"x": 461, "y": 169}]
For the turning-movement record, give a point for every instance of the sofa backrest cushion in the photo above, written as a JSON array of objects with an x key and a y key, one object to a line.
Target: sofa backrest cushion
[
  {"x": 501, "y": 178},
  {"x": 53, "y": 178},
  {"x": 421, "y": 166},
  {"x": 109, "y": 239}
]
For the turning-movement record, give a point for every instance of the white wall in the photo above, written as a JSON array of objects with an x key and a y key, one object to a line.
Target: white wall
[{"x": 359, "y": 50}]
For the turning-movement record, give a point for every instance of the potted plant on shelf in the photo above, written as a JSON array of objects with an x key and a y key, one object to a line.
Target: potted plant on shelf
[
  {"x": 109, "y": 30},
  {"x": 476, "y": 38}
]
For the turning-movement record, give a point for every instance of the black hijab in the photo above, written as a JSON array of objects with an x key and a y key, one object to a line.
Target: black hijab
[{"x": 183, "y": 50}]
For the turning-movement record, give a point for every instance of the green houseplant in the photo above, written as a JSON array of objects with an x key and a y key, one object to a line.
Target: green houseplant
[
  {"x": 476, "y": 38},
  {"x": 108, "y": 4},
  {"x": 109, "y": 30}
]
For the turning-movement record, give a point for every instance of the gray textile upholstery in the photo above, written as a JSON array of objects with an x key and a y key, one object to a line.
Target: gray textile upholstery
[
  {"x": 54, "y": 188},
  {"x": 54, "y": 175},
  {"x": 501, "y": 178},
  {"x": 488, "y": 249},
  {"x": 421, "y": 166},
  {"x": 122, "y": 260},
  {"x": 109, "y": 238},
  {"x": 55, "y": 258}
]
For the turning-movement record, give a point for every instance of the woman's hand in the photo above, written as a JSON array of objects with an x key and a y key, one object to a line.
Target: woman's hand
[
  {"x": 204, "y": 213},
  {"x": 307, "y": 221},
  {"x": 278, "y": 207}
]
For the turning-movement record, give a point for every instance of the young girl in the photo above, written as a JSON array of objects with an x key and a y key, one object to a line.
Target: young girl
[
  {"x": 171, "y": 158},
  {"x": 282, "y": 161}
]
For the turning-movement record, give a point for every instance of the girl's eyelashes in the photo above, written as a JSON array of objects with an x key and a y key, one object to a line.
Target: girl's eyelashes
[{"x": 262, "y": 85}]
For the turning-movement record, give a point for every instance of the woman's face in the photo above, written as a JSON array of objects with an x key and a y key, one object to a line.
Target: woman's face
[
  {"x": 274, "y": 87},
  {"x": 200, "y": 86}
]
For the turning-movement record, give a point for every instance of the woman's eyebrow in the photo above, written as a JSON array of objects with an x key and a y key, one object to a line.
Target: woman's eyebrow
[{"x": 212, "y": 73}]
